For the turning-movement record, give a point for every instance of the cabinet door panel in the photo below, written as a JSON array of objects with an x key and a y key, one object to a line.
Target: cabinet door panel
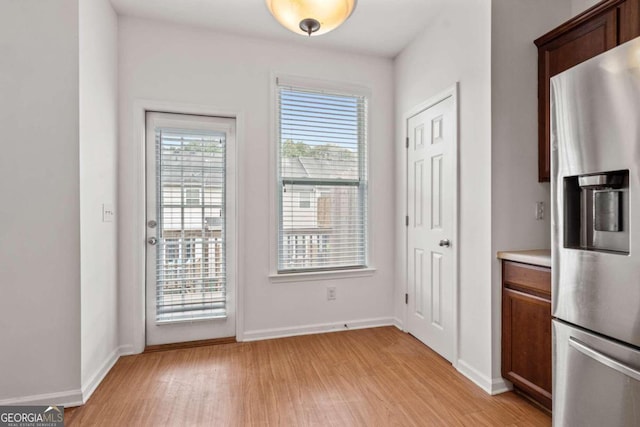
[
  {"x": 586, "y": 46},
  {"x": 583, "y": 42},
  {"x": 526, "y": 343},
  {"x": 629, "y": 21}
]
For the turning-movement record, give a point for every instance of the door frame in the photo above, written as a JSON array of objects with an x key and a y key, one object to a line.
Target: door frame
[
  {"x": 138, "y": 305},
  {"x": 451, "y": 92}
]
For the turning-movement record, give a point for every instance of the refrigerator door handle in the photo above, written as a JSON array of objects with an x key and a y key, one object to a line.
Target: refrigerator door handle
[{"x": 604, "y": 359}]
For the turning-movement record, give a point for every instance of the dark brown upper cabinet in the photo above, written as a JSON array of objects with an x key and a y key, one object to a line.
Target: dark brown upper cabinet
[
  {"x": 628, "y": 20},
  {"x": 603, "y": 27}
]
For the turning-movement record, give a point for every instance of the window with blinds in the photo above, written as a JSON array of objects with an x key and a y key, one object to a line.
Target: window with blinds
[
  {"x": 190, "y": 203},
  {"x": 322, "y": 180}
]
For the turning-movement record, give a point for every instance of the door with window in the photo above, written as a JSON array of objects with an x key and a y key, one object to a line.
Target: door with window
[
  {"x": 190, "y": 228},
  {"x": 431, "y": 197}
]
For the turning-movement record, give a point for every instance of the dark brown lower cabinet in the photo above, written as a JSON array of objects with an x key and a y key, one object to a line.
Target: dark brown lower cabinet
[{"x": 526, "y": 329}]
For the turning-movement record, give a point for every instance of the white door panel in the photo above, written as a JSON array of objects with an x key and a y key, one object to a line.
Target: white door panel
[
  {"x": 190, "y": 228},
  {"x": 431, "y": 195}
]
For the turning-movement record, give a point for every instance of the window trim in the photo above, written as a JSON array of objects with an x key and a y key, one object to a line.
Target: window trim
[
  {"x": 192, "y": 197},
  {"x": 330, "y": 86},
  {"x": 305, "y": 197}
]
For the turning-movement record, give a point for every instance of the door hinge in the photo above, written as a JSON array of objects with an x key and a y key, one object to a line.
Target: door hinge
[
  {"x": 406, "y": 221},
  {"x": 407, "y": 141},
  {"x": 406, "y": 298}
]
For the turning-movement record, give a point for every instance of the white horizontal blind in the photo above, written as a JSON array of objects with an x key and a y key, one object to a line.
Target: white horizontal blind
[
  {"x": 322, "y": 180},
  {"x": 190, "y": 198}
]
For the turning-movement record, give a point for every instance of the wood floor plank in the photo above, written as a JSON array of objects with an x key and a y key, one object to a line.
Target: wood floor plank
[{"x": 369, "y": 377}]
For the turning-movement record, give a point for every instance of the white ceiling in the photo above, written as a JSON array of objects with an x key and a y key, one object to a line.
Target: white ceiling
[{"x": 379, "y": 27}]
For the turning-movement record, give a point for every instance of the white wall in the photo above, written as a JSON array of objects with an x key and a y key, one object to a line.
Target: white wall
[
  {"x": 189, "y": 66},
  {"x": 40, "y": 208},
  {"x": 456, "y": 47},
  {"x": 514, "y": 122},
  {"x": 98, "y": 28},
  {"x": 579, "y": 6}
]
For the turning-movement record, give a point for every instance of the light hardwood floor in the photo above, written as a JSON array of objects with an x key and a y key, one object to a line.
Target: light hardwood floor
[{"x": 369, "y": 377}]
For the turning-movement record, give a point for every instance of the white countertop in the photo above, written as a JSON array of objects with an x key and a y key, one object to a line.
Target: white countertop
[{"x": 541, "y": 257}]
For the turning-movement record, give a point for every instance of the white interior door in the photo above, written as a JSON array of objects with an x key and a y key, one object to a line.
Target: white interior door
[
  {"x": 190, "y": 228},
  {"x": 431, "y": 196}
]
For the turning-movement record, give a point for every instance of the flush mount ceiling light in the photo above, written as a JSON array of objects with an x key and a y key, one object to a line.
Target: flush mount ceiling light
[{"x": 311, "y": 17}]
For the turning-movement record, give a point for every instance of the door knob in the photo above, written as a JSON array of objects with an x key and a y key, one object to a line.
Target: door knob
[
  {"x": 445, "y": 243},
  {"x": 152, "y": 241}
]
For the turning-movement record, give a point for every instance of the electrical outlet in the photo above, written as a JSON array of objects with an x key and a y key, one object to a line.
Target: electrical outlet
[
  {"x": 539, "y": 210},
  {"x": 331, "y": 293}
]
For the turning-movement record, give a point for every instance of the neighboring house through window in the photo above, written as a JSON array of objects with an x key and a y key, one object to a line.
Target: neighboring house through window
[
  {"x": 192, "y": 196},
  {"x": 322, "y": 179}
]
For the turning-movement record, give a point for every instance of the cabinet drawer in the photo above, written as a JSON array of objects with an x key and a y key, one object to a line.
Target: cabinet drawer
[{"x": 527, "y": 278}]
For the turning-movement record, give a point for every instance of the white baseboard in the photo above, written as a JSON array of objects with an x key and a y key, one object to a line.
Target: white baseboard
[
  {"x": 128, "y": 350},
  {"x": 64, "y": 398},
  {"x": 266, "y": 334},
  {"x": 500, "y": 385},
  {"x": 491, "y": 386},
  {"x": 398, "y": 324},
  {"x": 94, "y": 381}
]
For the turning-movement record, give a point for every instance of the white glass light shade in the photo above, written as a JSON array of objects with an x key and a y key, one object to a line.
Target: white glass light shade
[{"x": 329, "y": 13}]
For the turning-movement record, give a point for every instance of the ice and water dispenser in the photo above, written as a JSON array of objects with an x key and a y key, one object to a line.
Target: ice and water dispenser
[{"x": 597, "y": 212}]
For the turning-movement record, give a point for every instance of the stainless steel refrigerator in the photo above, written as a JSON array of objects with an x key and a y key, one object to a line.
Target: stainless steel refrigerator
[{"x": 595, "y": 190}]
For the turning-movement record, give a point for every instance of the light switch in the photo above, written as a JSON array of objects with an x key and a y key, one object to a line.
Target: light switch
[{"x": 108, "y": 213}]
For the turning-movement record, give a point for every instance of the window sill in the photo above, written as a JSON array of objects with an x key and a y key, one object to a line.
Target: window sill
[{"x": 321, "y": 275}]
